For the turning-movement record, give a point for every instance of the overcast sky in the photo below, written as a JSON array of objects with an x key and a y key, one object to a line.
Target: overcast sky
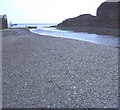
[{"x": 46, "y": 11}]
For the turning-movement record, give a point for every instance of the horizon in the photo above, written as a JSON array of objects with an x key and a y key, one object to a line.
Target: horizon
[{"x": 46, "y": 11}]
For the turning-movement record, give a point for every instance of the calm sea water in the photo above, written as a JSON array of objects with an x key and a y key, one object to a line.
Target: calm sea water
[{"x": 44, "y": 29}]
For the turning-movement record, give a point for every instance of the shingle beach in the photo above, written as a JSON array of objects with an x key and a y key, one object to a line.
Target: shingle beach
[{"x": 43, "y": 71}]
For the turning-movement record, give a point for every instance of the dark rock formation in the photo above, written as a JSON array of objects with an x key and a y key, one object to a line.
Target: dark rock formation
[
  {"x": 107, "y": 17},
  {"x": 108, "y": 11},
  {"x": 82, "y": 20},
  {"x": 3, "y": 22}
]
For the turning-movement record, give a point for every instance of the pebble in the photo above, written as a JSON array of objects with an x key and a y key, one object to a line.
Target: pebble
[{"x": 71, "y": 74}]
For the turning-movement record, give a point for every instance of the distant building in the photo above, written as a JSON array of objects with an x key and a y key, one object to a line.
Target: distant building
[{"x": 3, "y": 22}]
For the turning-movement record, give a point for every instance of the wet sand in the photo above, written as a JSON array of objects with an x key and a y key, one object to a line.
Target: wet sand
[{"x": 43, "y": 71}]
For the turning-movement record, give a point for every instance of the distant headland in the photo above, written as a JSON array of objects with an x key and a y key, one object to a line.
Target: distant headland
[{"x": 105, "y": 22}]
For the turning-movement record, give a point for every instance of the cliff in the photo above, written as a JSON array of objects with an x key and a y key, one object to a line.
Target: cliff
[
  {"x": 3, "y": 22},
  {"x": 82, "y": 20},
  {"x": 108, "y": 11},
  {"x": 107, "y": 17}
]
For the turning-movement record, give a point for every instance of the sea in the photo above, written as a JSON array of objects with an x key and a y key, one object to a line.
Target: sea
[{"x": 45, "y": 29}]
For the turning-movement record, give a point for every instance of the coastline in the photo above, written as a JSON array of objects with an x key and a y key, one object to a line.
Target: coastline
[
  {"x": 105, "y": 22},
  {"x": 41, "y": 71},
  {"x": 93, "y": 30}
]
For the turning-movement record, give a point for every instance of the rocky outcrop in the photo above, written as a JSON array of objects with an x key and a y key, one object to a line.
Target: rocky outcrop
[
  {"x": 107, "y": 17},
  {"x": 3, "y": 22},
  {"x": 82, "y": 20},
  {"x": 108, "y": 14},
  {"x": 108, "y": 11}
]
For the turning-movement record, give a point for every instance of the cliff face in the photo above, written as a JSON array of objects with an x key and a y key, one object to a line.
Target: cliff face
[
  {"x": 82, "y": 20},
  {"x": 108, "y": 11},
  {"x": 3, "y": 22},
  {"x": 107, "y": 16}
]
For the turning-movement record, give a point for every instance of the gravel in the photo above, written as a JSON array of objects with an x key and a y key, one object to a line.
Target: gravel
[{"x": 43, "y": 71}]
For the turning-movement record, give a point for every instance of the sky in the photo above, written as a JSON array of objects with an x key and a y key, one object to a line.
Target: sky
[{"x": 46, "y": 11}]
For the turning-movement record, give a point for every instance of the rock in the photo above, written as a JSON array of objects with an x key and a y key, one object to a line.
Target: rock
[
  {"x": 108, "y": 11},
  {"x": 81, "y": 20},
  {"x": 3, "y": 22},
  {"x": 107, "y": 16}
]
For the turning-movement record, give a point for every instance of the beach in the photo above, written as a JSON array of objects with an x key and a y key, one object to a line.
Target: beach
[{"x": 44, "y": 71}]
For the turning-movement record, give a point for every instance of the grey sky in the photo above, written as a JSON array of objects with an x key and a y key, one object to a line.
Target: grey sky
[{"x": 46, "y": 11}]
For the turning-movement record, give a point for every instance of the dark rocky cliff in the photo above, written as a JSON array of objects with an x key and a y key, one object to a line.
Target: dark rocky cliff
[
  {"x": 107, "y": 16},
  {"x": 108, "y": 11},
  {"x": 3, "y": 22}
]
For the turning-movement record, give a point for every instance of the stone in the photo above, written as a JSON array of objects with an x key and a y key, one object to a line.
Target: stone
[{"x": 3, "y": 22}]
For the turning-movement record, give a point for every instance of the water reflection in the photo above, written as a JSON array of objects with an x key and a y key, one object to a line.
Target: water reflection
[
  {"x": 44, "y": 29},
  {"x": 94, "y": 38}
]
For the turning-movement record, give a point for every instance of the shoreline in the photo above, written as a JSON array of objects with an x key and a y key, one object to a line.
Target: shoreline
[
  {"x": 41, "y": 71},
  {"x": 84, "y": 31},
  {"x": 92, "y": 30}
]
